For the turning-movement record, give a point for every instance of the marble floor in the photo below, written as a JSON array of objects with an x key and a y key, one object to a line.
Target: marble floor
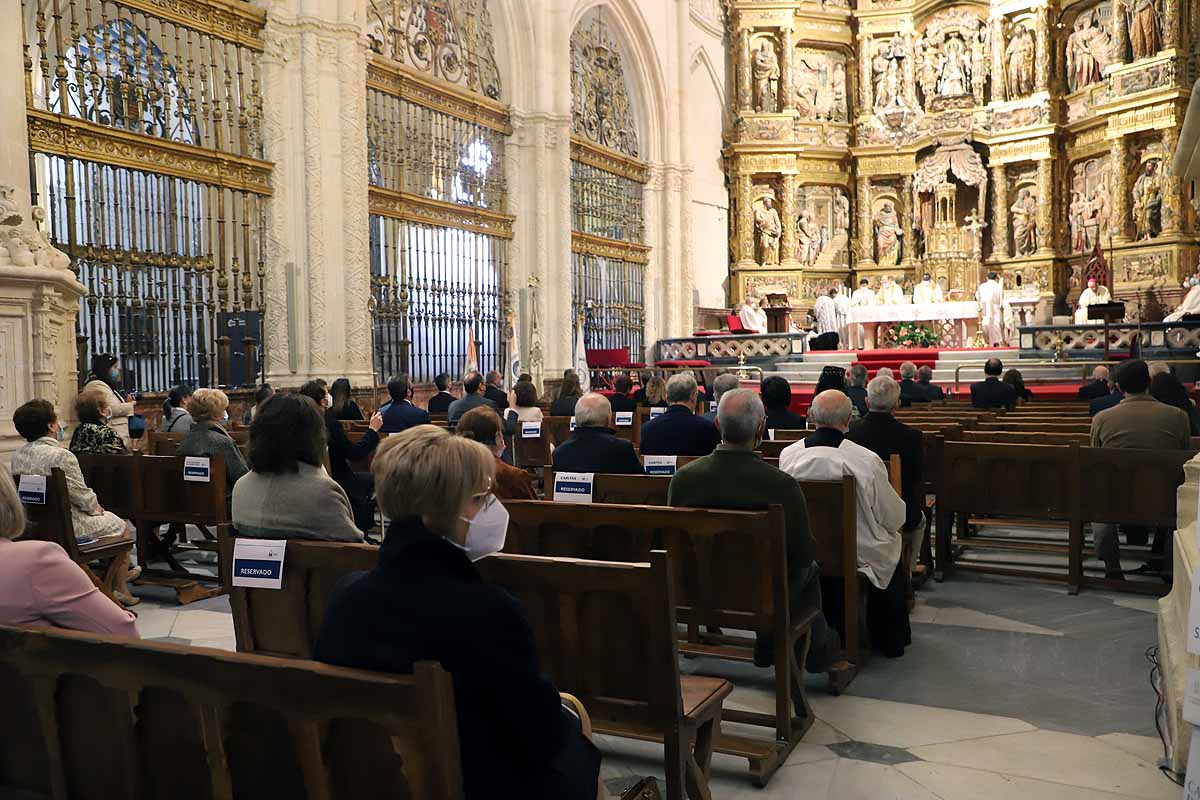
[{"x": 1011, "y": 689}]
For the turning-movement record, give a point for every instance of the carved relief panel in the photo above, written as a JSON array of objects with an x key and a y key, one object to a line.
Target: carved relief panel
[
  {"x": 822, "y": 226},
  {"x": 1089, "y": 48},
  {"x": 1090, "y": 204},
  {"x": 819, "y": 78},
  {"x": 1020, "y": 58},
  {"x": 952, "y": 58}
]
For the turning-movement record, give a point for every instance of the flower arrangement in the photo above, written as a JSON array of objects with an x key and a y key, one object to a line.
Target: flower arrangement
[{"x": 910, "y": 334}]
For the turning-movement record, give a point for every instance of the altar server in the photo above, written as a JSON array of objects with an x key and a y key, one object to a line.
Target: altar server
[
  {"x": 927, "y": 291},
  {"x": 754, "y": 319},
  {"x": 825, "y": 311},
  {"x": 863, "y": 296},
  {"x": 1091, "y": 296},
  {"x": 841, "y": 302},
  {"x": 990, "y": 296}
]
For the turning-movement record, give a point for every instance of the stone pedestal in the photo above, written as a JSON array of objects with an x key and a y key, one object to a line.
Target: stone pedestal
[{"x": 1173, "y": 617}]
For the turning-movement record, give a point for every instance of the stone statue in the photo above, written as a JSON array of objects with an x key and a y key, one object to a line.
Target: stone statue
[
  {"x": 838, "y": 110},
  {"x": 10, "y": 213},
  {"x": 1019, "y": 61},
  {"x": 886, "y": 74},
  {"x": 766, "y": 223},
  {"x": 813, "y": 242},
  {"x": 980, "y": 62},
  {"x": 887, "y": 235},
  {"x": 841, "y": 212},
  {"x": 1147, "y": 202},
  {"x": 975, "y": 227},
  {"x": 1145, "y": 27},
  {"x": 928, "y": 66},
  {"x": 1087, "y": 52},
  {"x": 26, "y": 244},
  {"x": 955, "y": 76},
  {"x": 1024, "y": 223},
  {"x": 1077, "y": 217},
  {"x": 766, "y": 79},
  {"x": 1101, "y": 213}
]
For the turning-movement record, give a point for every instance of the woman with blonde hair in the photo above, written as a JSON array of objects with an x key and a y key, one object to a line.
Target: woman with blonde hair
[
  {"x": 41, "y": 586},
  {"x": 207, "y": 436},
  {"x": 656, "y": 392},
  {"x": 427, "y": 601}
]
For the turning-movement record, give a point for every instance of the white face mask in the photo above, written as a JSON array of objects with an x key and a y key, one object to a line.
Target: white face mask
[
  {"x": 328, "y": 401},
  {"x": 487, "y": 531}
]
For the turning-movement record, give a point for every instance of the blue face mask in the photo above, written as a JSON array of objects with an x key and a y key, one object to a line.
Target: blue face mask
[
  {"x": 115, "y": 373},
  {"x": 60, "y": 434}
]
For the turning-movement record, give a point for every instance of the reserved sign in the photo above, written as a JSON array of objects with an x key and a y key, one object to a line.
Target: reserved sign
[
  {"x": 531, "y": 430},
  {"x": 258, "y": 563},
  {"x": 33, "y": 489},
  {"x": 623, "y": 419},
  {"x": 573, "y": 487},
  {"x": 660, "y": 465},
  {"x": 197, "y": 469}
]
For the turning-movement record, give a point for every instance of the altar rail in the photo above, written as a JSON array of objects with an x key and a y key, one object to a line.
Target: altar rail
[
  {"x": 1162, "y": 339},
  {"x": 760, "y": 349}
]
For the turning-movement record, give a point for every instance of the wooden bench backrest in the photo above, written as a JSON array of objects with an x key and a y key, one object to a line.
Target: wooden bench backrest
[
  {"x": 728, "y": 567},
  {"x": 625, "y": 490},
  {"x": 1036, "y": 427},
  {"x": 1016, "y": 437},
  {"x": 558, "y": 429},
  {"x": 167, "y": 497},
  {"x": 833, "y": 520},
  {"x": 52, "y": 522},
  {"x": 115, "y": 480},
  {"x": 167, "y": 444},
  {"x": 125, "y": 719},
  {"x": 1021, "y": 480},
  {"x": 1132, "y": 487}
]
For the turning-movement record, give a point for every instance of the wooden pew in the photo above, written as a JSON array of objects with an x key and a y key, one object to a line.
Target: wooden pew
[
  {"x": 1036, "y": 427},
  {"x": 1017, "y": 437},
  {"x": 115, "y": 718},
  {"x": 167, "y": 444},
  {"x": 52, "y": 523},
  {"x": 637, "y": 692},
  {"x": 730, "y": 572},
  {"x": 625, "y": 490}
]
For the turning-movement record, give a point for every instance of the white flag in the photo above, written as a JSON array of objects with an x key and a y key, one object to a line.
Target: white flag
[
  {"x": 472, "y": 364},
  {"x": 514, "y": 350},
  {"x": 581, "y": 365}
]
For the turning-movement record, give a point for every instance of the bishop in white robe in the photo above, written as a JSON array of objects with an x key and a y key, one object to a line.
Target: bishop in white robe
[
  {"x": 1190, "y": 305},
  {"x": 990, "y": 296},
  {"x": 753, "y": 318},
  {"x": 890, "y": 293},
  {"x": 927, "y": 291},
  {"x": 1091, "y": 296}
]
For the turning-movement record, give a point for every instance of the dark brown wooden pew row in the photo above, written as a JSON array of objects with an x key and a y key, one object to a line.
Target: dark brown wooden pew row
[
  {"x": 1067, "y": 484},
  {"x": 605, "y": 633},
  {"x": 120, "y": 718}
]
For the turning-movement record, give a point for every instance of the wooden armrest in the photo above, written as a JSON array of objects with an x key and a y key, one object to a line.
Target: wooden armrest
[
  {"x": 576, "y": 706},
  {"x": 802, "y": 622}
]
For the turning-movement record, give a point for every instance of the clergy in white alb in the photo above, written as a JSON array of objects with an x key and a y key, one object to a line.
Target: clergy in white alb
[
  {"x": 990, "y": 296},
  {"x": 841, "y": 302},
  {"x": 1190, "y": 304},
  {"x": 890, "y": 293},
  {"x": 753, "y": 318},
  {"x": 863, "y": 296},
  {"x": 825, "y": 311},
  {"x": 927, "y": 291},
  {"x": 1091, "y": 296}
]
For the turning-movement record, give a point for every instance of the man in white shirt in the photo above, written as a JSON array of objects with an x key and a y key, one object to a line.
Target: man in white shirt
[
  {"x": 841, "y": 302},
  {"x": 990, "y": 296},
  {"x": 890, "y": 293},
  {"x": 825, "y": 311},
  {"x": 1091, "y": 296},
  {"x": 927, "y": 291},
  {"x": 863, "y": 296},
  {"x": 828, "y": 455},
  {"x": 753, "y": 318},
  {"x": 1190, "y": 304}
]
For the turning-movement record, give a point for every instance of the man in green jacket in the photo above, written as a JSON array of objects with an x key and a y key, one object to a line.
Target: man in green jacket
[{"x": 735, "y": 477}]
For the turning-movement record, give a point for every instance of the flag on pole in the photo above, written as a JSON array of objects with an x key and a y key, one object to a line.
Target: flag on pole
[
  {"x": 581, "y": 365},
  {"x": 514, "y": 350},
  {"x": 472, "y": 364}
]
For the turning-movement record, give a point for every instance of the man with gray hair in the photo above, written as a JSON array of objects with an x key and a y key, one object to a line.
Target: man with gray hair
[
  {"x": 926, "y": 385},
  {"x": 909, "y": 391},
  {"x": 1098, "y": 386},
  {"x": 678, "y": 431},
  {"x": 857, "y": 390},
  {"x": 735, "y": 477},
  {"x": 725, "y": 382},
  {"x": 594, "y": 446},
  {"x": 827, "y": 455}
]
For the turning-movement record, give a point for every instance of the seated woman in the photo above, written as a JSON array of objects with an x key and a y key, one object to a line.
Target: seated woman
[
  {"x": 1015, "y": 379},
  {"x": 342, "y": 404},
  {"x": 777, "y": 399},
  {"x": 483, "y": 425},
  {"x": 427, "y": 601},
  {"x": 261, "y": 395},
  {"x": 834, "y": 377},
  {"x": 655, "y": 393},
  {"x": 175, "y": 418},
  {"x": 1166, "y": 388},
  {"x": 359, "y": 486},
  {"x": 38, "y": 424},
  {"x": 105, "y": 377},
  {"x": 523, "y": 407},
  {"x": 208, "y": 437},
  {"x": 93, "y": 436},
  {"x": 287, "y": 494},
  {"x": 568, "y": 395},
  {"x": 41, "y": 586},
  {"x": 620, "y": 400}
]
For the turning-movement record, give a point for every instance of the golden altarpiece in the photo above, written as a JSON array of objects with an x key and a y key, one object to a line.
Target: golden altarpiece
[{"x": 956, "y": 138}]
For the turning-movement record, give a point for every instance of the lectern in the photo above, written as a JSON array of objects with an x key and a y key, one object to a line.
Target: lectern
[
  {"x": 1107, "y": 313},
  {"x": 779, "y": 313}
]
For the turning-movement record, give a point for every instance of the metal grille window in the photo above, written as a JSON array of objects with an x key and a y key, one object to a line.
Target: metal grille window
[{"x": 608, "y": 294}]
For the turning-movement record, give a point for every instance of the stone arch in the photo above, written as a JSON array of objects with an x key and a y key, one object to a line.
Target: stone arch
[{"x": 512, "y": 33}]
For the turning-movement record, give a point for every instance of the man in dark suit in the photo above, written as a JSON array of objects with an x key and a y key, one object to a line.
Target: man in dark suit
[
  {"x": 857, "y": 390},
  {"x": 1097, "y": 386},
  {"x": 925, "y": 384},
  {"x": 910, "y": 392},
  {"x": 639, "y": 397},
  {"x": 991, "y": 392},
  {"x": 495, "y": 391},
  {"x": 621, "y": 401},
  {"x": 723, "y": 383},
  {"x": 678, "y": 431},
  {"x": 594, "y": 446},
  {"x": 1105, "y": 402},
  {"x": 440, "y": 402},
  {"x": 401, "y": 414},
  {"x": 472, "y": 398}
]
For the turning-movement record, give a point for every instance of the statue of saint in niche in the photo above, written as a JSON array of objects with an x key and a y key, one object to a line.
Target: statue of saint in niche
[
  {"x": 1087, "y": 52},
  {"x": 1019, "y": 61},
  {"x": 769, "y": 229},
  {"x": 1147, "y": 202},
  {"x": 955, "y": 76},
  {"x": 1024, "y": 223},
  {"x": 1145, "y": 27},
  {"x": 887, "y": 235},
  {"x": 766, "y": 79}
]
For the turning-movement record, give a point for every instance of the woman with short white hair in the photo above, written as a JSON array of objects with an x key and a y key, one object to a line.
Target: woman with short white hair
[
  {"x": 207, "y": 436},
  {"x": 426, "y": 601}
]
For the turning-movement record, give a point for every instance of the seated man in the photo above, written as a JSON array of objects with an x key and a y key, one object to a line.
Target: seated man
[
  {"x": 910, "y": 392},
  {"x": 926, "y": 385},
  {"x": 1142, "y": 423},
  {"x": 777, "y": 397},
  {"x": 494, "y": 390},
  {"x": 828, "y": 455},
  {"x": 1105, "y": 401},
  {"x": 991, "y": 392},
  {"x": 621, "y": 401},
  {"x": 724, "y": 383},
  {"x": 1097, "y": 386},
  {"x": 401, "y": 414},
  {"x": 440, "y": 402},
  {"x": 884, "y": 435},
  {"x": 678, "y": 431},
  {"x": 594, "y": 446},
  {"x": 472, "y": 398},
  {"x": 857, "y": 390},
  {"x": 736, "y": 477}
]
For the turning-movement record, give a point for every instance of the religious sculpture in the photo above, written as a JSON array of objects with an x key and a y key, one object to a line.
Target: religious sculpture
[
  {"x": 887, "y": 74},
  {"x": 1147, "y": 202},
  {"x": 1087, "y": 52},
  {"x": 766, "y": 78},
  {"x": 26, "y": 244},
  {"x": 1024, "y": 223},
  {"x": 1145, "y": 27},
  {"x": 819, "y": 78},
  {"x": 981, "y": 63},
  {"x": 769, "y": 228},
  {"x": 1019, "y": 63},
  {"x": 974, "y": 225},
  {"x": 955, "y": 75},
  {"x": 887, "y": 235},
  {"x": 841, "y": 212}
]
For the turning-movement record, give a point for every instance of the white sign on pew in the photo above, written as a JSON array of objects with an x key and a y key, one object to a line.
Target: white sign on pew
[
  {"x": 654, "y": 412},
  {"x": 531, "y": 430},
  {"x": 572, "y": 424},
  {"x": 623, "y": 419},
  {"x": 573, "y": 487},
  {"x": 1191, "y": 697},
  {"x": 661, "y": 465},
  {"x": 1193, "y": 633},
  {"x": 258, "y": 563},
  {"x": 1191, "y": 784},
  {"x": 712, "y": 407},
  {"x": 197, "y": 469},
  {"x": 33, "y": 489}
]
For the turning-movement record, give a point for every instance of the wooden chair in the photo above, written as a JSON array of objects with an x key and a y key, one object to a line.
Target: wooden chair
[
  {"x": 115, "y": 480},
  {"x": 532, "y": 452},
  {"x": 729, "y": 571},
  {"x": 110, "y": 718},
  {"x": 833, "y": 520},
  {"x": 52, "y": 523}
]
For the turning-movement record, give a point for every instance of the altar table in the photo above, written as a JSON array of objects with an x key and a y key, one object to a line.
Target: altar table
[{"x": 955, "y": 322}]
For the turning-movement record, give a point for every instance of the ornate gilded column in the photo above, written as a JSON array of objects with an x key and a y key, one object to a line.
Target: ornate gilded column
[
  {"x": 1120, "y": 32},
  {"x": 910, "y": 77},
  {"x": 906, "y": 223},
  {"x": 998, "y": 73},
  {"x": 745, "y": 101},
  {"x": 787, "y": 212},
  {"x": 787, "y": 93},
  {"x": 865, "y": 43},
  {"x": 1171, "y": 27},
  {"x": 745, "y": 219},
  {"x": 1172, "y": 210},
  {"x": 1117, "y": 158},
  {"x": 1045, "y": 213},
  {"x": 1042, "y": 57},
  {"x": 865, "y": 244},
  {"x": 1000, "y": 212}
]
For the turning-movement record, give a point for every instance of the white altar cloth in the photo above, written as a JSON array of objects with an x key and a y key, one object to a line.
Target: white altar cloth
[{"x": 963, "y": 314}]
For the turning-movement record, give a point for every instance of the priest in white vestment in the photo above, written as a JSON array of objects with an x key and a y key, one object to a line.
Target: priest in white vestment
[
  {"x": 890, "y": 293},
  {"x": 990, "y": 296},
  {"x": 827, "y": 455},
  {"x": 825, "y": 311},
  {"x": 927, "y": 291},
  {"x": 753, "y": 318},
  {"x": 1190, "y": 304},
  {"x": 841, "y": 302},
  {"x": 863, "y": 296},
  {"x": 1091, "y": 296}
]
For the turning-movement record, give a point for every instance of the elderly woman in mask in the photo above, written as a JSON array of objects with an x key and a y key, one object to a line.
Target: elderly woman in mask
[{"x": 426, "y": 601}]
